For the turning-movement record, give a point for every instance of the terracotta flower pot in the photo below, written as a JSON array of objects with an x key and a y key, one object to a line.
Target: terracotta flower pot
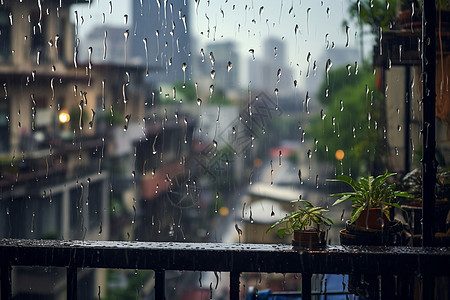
[
  {"x": 309, "y": 239},
  {"x": 372, "y": 218}
]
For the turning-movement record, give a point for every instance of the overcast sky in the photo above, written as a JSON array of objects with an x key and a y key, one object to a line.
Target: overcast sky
[{"x": 303, "y": 26}]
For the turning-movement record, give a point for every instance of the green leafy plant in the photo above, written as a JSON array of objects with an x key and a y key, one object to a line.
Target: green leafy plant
[
  {"x": 412, "y": 184},
  {"x": 301, "y": 219},
  {"x": 369, "y": 192}
]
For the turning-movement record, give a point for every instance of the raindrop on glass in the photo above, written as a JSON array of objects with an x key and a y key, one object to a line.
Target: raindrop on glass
[
  {"x": 252, "y": 52},
  {"x": 229, "y": 66}
]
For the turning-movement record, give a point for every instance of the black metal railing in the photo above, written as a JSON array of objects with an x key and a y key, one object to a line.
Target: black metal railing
[{"x": 382, "y": 262}]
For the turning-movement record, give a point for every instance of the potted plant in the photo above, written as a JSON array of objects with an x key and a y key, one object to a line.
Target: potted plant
[
  {"x": 305, "y": 224},
  {"x": 412, "y": 207},
  {"x": 372, "y": 198}
]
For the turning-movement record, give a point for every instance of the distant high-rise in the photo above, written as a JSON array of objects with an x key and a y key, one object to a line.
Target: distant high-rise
[
  {"x": 272, "y": 72},
  {"x": 100, "y": 36},
  {"x": 338, "y": 57},
  {"x": 160, "y": 33},
  {"x": 225, "y": 67},
  {"x": 275, "y": 48}
]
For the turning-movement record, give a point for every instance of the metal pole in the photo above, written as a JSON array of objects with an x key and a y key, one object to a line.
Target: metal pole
[
  {"x": 234, "y": 285},
  {"x": 72, "y": 282},
  {"x": 428, "y": 123},
  {"x": 160, "y": 285},
  {"x": 6, "y": 281},
  {"x": 306, "y": 286},
  {"x": 428, "y": 130},
  {"x": 407, "y": 121}
]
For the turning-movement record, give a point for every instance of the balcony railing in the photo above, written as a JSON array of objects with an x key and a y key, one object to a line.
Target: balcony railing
[{"x": 382, "y": 262}]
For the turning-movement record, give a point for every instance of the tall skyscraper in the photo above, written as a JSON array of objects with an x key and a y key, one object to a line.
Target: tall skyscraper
[
  {"x": 225, "y": 67},
  {"x": 160, "y": 34},
  {"x": 271, "y": 72}
]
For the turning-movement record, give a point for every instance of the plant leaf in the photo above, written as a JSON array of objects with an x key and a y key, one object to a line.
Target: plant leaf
[
  {"x": 356, "y": 213},
  {"x": 343, "y": 198}
]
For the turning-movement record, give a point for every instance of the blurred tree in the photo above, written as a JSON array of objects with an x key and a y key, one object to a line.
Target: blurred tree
[
  {"x": 376, "y": 13},
  {"x": 188, "y": 94},
  {"x": 350, "y": 121}
]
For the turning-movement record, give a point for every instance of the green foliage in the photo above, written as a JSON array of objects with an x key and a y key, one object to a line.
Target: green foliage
[
  {"x": 113, "y": 118},
  {"x": 301, "y": 219},
  {"x": 412, "y": 183},
  {"x": 187, "y": 93},
  {"x": 350, "y": 120},
  {"x": 376, "y": 13},
  {"x": 75, "y": 118},
  {"x": 134, "y": 283},
  {"x": 369, "y": 192}
]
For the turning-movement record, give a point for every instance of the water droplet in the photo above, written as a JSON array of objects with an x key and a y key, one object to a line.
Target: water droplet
[
  {"x": 202, "y": 54},
  {"x": 91, "y": 123},
  {"x": 32, "y": 222},
  {"x": 308, "y": 10},
  {"x": 212, "y": 59},
  {"x": 183, "y": 18},
  {"x": 239, "y": 231},
  {"x": 229, "y": 66},
  {"x": 327, "y": 68},
  {"x": 252, "y": 52},
  {"x": 90, "y": 58},
  {"x": 347, "y": 34},
  {"x": 261, "y": 10},
  {"x": 308, "y": 59},
  {"x": 307, "y": 102},
  {"x": 349, "y": 68},
  {"x": 127, "y": 120}
]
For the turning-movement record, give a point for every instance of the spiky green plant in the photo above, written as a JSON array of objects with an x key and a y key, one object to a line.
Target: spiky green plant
[
  {"x": 301, "y": 219},
  {"x": 369, "y": 192}
]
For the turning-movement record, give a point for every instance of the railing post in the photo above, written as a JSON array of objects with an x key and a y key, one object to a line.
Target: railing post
[
  {"x": 6, "y": 292},
  {"x": 234, "y": 285},
  {"x": 429, "y": 164},
  {"x": 428, "y": 286},
  {"x": 72, "y": 282},
  {"x": 407, "y": 121},
  {"x": 428, "y": 122},
  {"x": 306, "y": 286},
  {"x": 160, "y": 285}
]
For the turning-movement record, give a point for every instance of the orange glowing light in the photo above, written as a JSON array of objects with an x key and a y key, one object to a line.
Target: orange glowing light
[{"x": 339, "y": 154}]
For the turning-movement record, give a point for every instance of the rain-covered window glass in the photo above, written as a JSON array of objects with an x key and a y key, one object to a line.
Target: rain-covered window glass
[{"x": 202, "y": 121}]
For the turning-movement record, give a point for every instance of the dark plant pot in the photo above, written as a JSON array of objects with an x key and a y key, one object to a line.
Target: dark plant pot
[
  {"x": 309, "y": 239},
  {"x": 390, "y": 235},
  {"x": 372, "y": 218}
]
